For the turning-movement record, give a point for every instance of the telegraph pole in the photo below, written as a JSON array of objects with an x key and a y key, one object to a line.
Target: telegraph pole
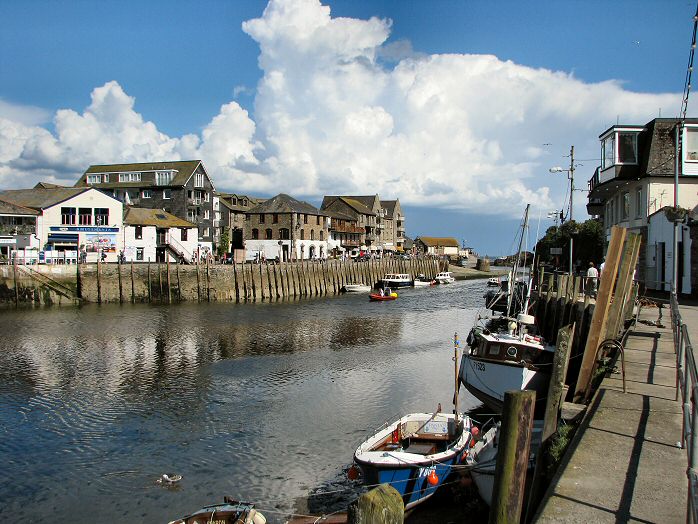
[{"x": 571, "y": 204}]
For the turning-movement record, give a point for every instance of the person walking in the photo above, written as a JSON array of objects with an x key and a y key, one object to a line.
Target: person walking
[{"x": 592, "y": 280}]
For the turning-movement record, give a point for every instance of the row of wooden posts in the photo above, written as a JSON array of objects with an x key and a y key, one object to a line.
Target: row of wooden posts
[
  {"x": 165, "y": 282},
  {"x": 563, "y": 310}
]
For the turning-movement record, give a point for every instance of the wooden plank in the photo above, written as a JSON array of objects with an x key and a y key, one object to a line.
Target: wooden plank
[
  {"x": 565, "y": 339},
  {"x": 598, "y": 321},
  {"x": 625, "y": 279}
]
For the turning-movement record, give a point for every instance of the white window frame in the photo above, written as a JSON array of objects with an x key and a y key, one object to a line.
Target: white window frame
[
  {"x": 163, "y": 178},
  {"x": 129, "y": 177},
  {"x": 146, "y": 193},
  {"x": 207, "y": 232},
  {"x": 690, "y": 144},
  {"x": 206, "y": 214},
  {"x": 166, "y": 194},
  {"x": 199, "y": 180}
]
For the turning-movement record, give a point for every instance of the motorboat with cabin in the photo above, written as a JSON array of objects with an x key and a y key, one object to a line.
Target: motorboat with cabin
[
  {"x": 445, "y": 277},
  {"x": 422, "y": 281},
  {"x": 357, "y": 288},
  {"x": 396, "y": 280}
]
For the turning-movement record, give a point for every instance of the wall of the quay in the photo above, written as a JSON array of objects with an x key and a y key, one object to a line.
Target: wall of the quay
[{"x": 166, "y": 283}]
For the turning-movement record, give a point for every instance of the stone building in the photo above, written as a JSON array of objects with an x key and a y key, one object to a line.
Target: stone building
[
  {"x": 285, "y": 228},
  {"x": 182, "y": 188},
  {"x": 437, "y": 246},
  {"x": 233, "y": 208},
  {"x": 344, "y": 234},
  {"x": 17, "y": 228},
  {"x": 394, "y": 226},
  {"x": 366, "y": 216}
]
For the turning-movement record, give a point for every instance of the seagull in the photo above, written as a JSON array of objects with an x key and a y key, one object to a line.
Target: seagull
[{"x": 636, "y": 42}]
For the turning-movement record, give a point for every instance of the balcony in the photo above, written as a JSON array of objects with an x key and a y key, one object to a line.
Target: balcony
[
  {"x": 347, "y": 229},
  {"x": 350, "y": 243},
  {"x": 195, "y": 201}
]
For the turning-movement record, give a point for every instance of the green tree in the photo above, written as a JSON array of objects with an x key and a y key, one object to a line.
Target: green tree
[
  {"x": 588, "y": 243},
  {"x": 224, "y": 243}
]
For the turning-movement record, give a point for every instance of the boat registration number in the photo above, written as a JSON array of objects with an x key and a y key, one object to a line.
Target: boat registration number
[
  {"x": 480, "y": 366},
  {"x": 424, "y": 472}
]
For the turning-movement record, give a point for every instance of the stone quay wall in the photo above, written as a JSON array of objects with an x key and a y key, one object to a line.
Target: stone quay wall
[{"x": 168, "y": 283}]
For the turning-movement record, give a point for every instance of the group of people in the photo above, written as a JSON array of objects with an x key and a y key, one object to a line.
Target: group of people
[{"x": 593, "y": 278}]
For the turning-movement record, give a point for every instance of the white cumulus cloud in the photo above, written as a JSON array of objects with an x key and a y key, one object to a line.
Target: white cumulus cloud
[{"x": 342, "y": 109}]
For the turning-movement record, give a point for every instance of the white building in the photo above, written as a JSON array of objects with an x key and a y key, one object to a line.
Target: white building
[
  {"x": 71, "y": 220},
  {"x": 153, "y": 235}
]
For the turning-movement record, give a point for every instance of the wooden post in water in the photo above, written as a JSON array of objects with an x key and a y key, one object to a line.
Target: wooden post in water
[
  {"x": 179, "y": 286},
  {"x": 133, "y": 286},
  {"x": 14, "y": 270},
  {"x": 198, "y": 281},
  {"x": 121, "y": 291},
  {"x": 598, "y": 321},
  {"x": 99, "y": 281},
  {"x": 512, "y": 457},
  {"x": 150, "y": 295},
  {"x": 169, "y": 287},
  {"x": 208, "y": 282},
  {"x": 565, "y": 338},
  {"x": 160, "y": 282}
]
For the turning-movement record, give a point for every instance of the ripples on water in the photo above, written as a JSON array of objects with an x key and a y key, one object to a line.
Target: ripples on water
[{"x": 261, "y": 402}]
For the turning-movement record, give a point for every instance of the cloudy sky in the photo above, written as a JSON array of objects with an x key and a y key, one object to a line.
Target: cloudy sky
[{"x": 457, "y": 108}]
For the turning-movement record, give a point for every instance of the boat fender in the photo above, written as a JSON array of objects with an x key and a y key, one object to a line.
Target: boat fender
[
  {"x": 433, "y": 478},
  {"x": 254, "y": 517},
  {"x": 353, "y": 473}
]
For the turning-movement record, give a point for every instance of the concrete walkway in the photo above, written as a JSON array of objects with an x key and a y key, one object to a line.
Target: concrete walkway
[{"x": 625, "y": 465}]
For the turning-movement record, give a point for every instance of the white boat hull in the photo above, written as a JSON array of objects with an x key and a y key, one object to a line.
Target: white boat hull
[
  {"x": 488, "y": 380},
  {"x": 357, "y": 288}
]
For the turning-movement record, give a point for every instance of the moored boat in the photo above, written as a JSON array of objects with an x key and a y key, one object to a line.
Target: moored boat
[
  {"x": 357, "y": 288},
  {"x": 382, "y": 295},
  {"x": 230, "y": 512},
  {"x": 445, "y": 277},
  {"x": 395, "y": 280},
  {"x": 493, "y": 282},
  {"x": 421, "y": 281},
  {"x": 415, "y": 453}
]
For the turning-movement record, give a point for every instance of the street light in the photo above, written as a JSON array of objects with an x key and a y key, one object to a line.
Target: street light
[{"x": 570, "y": 175}]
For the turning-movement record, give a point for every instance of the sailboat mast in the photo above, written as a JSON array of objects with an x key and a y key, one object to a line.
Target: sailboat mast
[
  {"x": 455, "y": 361},
  {"x": 512, "y": 284}
]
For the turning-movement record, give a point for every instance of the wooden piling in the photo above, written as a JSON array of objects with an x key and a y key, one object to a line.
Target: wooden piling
[
  {"x": 198, "y": 281},
  {"x": 14, "y": 269},
  {"x": 512, "y": 457},
  {"x": 150, "y": 293},
  {"x": 208, "y": 282},
  {"x": 121, "y": 291},
  {"x": 133, "y": 285},
  {"x": 179, "y": 285},
  {"x": 169, "y": 287},
  {"x": 99, "y": 281}
]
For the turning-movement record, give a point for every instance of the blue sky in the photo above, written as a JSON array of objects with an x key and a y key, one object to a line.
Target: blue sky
[{"x": 447, "y": 106}]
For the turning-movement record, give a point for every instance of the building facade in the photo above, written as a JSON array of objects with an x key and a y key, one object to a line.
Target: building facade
[
  {"x": 182, "y": 188},
  {"x": 153, "y": 235},
  {"x": 394, "y": 226},
  {"x": 286, "y": 229}
]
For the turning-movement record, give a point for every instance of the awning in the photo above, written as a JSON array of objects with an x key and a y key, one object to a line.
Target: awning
[{"x": 62, "y": 238}]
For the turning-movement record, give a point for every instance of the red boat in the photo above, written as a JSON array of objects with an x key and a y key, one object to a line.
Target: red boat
[{"x": 377, "y": 297}]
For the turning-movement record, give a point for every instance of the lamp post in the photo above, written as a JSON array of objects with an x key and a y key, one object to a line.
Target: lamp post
[{"x": 570, "y": 174}]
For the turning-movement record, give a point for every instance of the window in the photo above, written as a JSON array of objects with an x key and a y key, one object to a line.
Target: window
[
  {"x": 162, "y": 178},
  {"x": 68, "y": 216},
  {"x": 146, "y": 193},
  {"x": 199, "y": 180},
  {"x": 312, "y": 234},
  {"x": 691, "y": 144},
  {"x": 318, "y": 220},
  {"x": 97, "y": 179},
  {"x": 627, "y": 148},
  {"x": 139, "y": 253},
  {"x": 639, "y": 208},
  {"x": 183, "y": 234},
  {"x": 261, "y": 218},
  {"x": 101, "y": 216},
  {"x": 267, "y": 234},
  {"x": 191, "y": 215},
  {"x": 607, "y": 151},
  {"x": 305, "y": 219},
  {"x": 302, "y": 234},
  {"x": 207, "y": 232},
  {"x": 255, "y": 234},
  {"x": 244, "y": 201},
  {"x": 233, "y": 201},
  {"x": 322, "y": 235},
  {"x": 85, "y": 216},
  {"x": 139, "y": 233},
  {"x": 284, "y": 234},
  {"x": 207, "y": 196},
  {"x": 129, "y": 177},
  {"x": 275, "y": 218},
  {"x": 625, "y": 206},
  {"x": 166, "y": 194},
  {"x": 206, "y": 214}
]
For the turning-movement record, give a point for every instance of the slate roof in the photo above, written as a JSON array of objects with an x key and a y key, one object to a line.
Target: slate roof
[
  {"x": 439, "y": 241},
  {"x": 253, "y": 201},
  {"x": 9, "y": 208},
  {"x": 283, "y": 203},
  {"x": 339, "y": 215},
  {"x": 47, "y": 185},
  {"x": 389, "y": 206},
  {"x": 138, "y": 216},
  {"x": 39, "y": 198},
  {"x": 185, "y": 169},
  {"x": 352, "y": 202}
]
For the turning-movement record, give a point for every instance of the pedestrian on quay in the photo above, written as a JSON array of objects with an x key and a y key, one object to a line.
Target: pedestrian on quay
[{"x": 592, "y": 280}]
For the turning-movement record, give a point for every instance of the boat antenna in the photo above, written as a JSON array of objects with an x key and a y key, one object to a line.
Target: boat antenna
[
  {"x": 515, "y": 270},
  {"x": 531, "y": 268},
  {"x": 456, "y": 344}
]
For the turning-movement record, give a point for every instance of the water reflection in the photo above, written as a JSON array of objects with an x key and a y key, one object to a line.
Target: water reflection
[{"x": 258, "y": 401}]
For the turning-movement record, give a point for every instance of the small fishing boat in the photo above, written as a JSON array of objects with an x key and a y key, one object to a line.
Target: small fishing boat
[
  {"x": 493, "y": 282},
  {"x": 383, "y": 294},
  {"x": 230, "y": 512},
  {"x": 394, "y": 280},
  {"x": 416, "y": 453},
  {"x": 357, "y": 288},
  {"x": 422, "y": 281},
  {"x": 445, "y": 277}
]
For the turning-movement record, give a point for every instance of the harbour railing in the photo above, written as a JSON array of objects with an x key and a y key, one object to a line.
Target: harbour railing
[{"x": 687, "y": 385}]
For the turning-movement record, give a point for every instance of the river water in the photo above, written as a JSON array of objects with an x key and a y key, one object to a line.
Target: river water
[{"x": 260, "y": 402}]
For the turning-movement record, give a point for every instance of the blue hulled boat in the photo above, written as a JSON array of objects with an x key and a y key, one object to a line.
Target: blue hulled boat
[{"x": 415, "y": 454}]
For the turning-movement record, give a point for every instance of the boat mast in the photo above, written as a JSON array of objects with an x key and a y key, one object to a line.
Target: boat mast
[
  {"x": 455, "y": 365},
  {"x": 512, "y": 284}
]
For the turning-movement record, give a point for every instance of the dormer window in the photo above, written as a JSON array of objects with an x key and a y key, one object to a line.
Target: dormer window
[
  {"x": 690, "y": 144},
  {"x": 163, "y": 178},
  {"x": 619, "y": 147}
]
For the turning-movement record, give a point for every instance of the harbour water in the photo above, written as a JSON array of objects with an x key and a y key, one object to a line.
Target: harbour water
[{"x": 262, "y": 402}]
